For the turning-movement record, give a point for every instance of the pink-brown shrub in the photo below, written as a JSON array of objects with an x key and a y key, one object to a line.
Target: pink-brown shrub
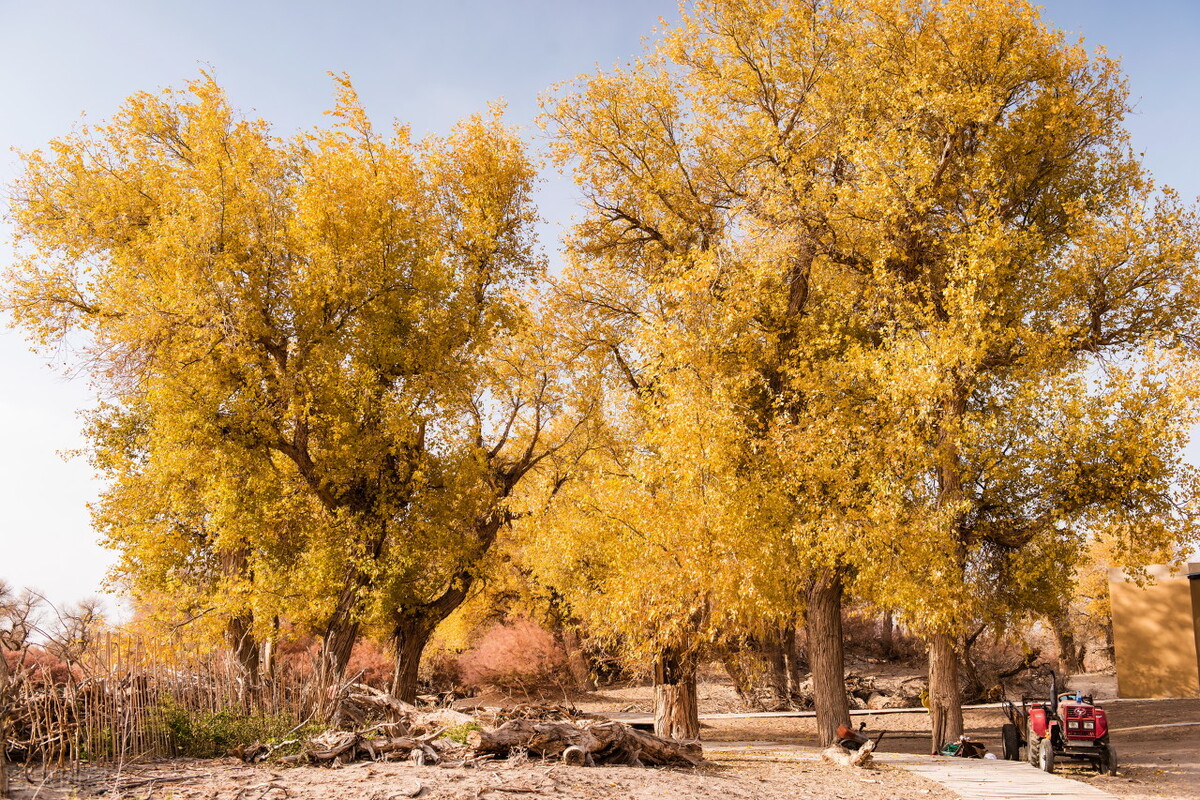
[
  {"x": 372, "y": 663},
  {"x": 44, "y": 667},
  {"x": 518, "y": 654}
]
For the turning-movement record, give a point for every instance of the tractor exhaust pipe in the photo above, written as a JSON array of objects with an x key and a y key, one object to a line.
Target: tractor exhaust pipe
[{"x": 1054, "y": 692}]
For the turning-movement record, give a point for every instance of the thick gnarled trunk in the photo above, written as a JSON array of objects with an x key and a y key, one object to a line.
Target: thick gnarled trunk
[
  {"x": 239, "y": 635},
  {"x": 412, "y": 627},
  {"x": 409, "y": 638},
  {"x": 676, "y": 712},
  {"x": 337, "y": 643},
  {"x": 825, "y": 655},
  {"x": 945, "y": 696}
]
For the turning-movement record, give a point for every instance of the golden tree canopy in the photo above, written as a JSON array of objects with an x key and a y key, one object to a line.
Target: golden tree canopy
[{"x": 312, "y": 346}]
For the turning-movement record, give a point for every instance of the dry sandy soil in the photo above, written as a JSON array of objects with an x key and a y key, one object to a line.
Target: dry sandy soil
[
  {"x": 751, "y": 779},
  {"x": 1156, "y": 762}
]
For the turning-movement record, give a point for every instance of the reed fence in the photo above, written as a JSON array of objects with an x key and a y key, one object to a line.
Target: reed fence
[{"x": 131, "y": 699}]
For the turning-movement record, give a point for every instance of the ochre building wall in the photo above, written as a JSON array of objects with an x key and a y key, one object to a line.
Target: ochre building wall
[{"x": 1156, "y": 634}]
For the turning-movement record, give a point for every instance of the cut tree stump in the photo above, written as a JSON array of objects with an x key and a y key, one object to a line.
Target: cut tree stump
[{"x": 849, "y": 758}]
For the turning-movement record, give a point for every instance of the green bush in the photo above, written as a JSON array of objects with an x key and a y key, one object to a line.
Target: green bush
[
  {"x": 199, "y": 734},
  {"x": 459, "y": 733}
]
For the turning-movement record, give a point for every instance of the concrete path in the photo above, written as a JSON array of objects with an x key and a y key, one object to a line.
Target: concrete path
[
  {"x": 993, "y": 779},
  {"x": 969, "y": 778}
]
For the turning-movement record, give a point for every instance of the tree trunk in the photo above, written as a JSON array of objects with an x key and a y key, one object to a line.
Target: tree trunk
[
  {"x": 5, "y": 678},
  {"x": 409, "y": 637},
  {"x": 945, "y": 700},
  {"x": 413, "y": 625},
  {"x": 239, "y": 634},
  {"x": 268, "y": 661},
  {"x": 577, "y": 663},
  {"x": 973, "y": 689},
  {"x": 338, "y": 640},
  {"x": 887, "y": 636},
  {"x": 1070, "y": 654},
  {"x": 565, "y": 628},
  {"x": 826, "y": 655},
  {"x": 341, "y": 629},
  {"x": 732, "y": 659},
  {"x": 795, "y": 665},
  {"x": 800, "y": 648},
  {"x": 774, "y": 650},
  {"x": 676, "y": 714}
]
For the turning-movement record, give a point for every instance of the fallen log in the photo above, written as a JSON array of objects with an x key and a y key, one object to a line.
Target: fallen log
[
  {"x": 421, "y": 737},
  {"x": 598, "y": 742}
]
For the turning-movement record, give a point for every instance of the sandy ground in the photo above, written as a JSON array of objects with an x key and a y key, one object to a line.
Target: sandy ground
[
  {"x": 1157, "y": 762},
  {"x": 746, "y": 777}
]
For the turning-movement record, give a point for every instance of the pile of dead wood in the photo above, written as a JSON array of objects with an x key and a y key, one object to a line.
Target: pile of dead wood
[
  {"x": 372, "y": 725},
  {"x": 869, "y": 692},
  {"x": 585, "y": 743}
]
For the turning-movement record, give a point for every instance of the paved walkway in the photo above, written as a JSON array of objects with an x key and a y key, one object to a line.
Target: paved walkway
[
  {"x": 969, "y": 778},
  {"x": 993, "y": 779}
]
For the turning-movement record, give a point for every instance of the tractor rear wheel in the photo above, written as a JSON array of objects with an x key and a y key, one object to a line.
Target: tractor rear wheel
[
  {"x": 1045, "y": 756},
  {"x": 1011, "y": 739}
]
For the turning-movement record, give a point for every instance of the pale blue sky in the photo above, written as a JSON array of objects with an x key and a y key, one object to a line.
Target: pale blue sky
[{"x": 426, "y": 63}]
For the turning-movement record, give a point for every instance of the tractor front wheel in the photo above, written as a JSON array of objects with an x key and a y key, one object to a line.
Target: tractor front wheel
[
  {"x": 1045, "y": 756},
  {"x": 1108, "y": 760}
]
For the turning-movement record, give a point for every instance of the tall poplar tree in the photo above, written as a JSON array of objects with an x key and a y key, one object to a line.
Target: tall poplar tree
[
  {"x": 319, "y": 403},
  {"x": 912, "y": 219}
]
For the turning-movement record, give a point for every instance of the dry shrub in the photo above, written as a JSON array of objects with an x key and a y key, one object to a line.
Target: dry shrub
[
  {"x": 1008, "y": 663},
  {"x": 371, "y": 663},
  {"x": 44, "y": 667},
  {"x": 297, "y": 657},
  {"x": 518, "y": 654},
  {"x": 862, "y": 629},
  {"x": 440, "y": 674}
]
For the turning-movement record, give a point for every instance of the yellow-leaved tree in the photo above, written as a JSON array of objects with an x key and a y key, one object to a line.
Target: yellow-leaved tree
[
  {"x": 319, "y": 356},
  {"x": 927, "y": 270}
]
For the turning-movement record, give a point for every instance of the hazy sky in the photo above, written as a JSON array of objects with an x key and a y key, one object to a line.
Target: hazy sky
[{"x": 426, "y": 63}]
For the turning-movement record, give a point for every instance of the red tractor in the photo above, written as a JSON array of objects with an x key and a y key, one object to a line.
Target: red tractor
[{"x": 1066, "y": 725}]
